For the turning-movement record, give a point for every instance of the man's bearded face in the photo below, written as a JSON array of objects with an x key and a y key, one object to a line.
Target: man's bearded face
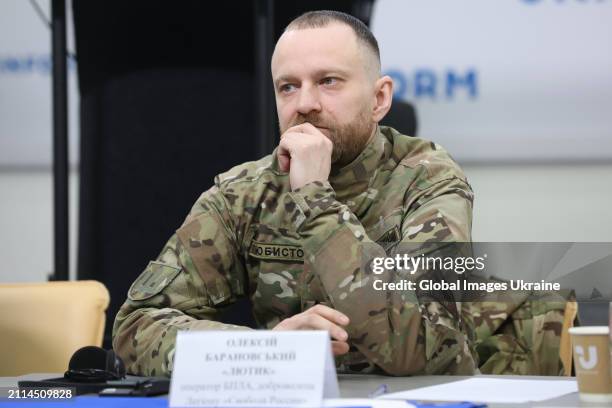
[{"x": 320, "y": 77}]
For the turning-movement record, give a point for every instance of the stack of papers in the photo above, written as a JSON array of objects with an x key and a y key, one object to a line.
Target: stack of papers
[{"x": 489, "y": 390}]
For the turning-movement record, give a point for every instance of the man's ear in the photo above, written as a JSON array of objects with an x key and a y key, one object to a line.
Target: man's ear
[{"x": 383, "y": 89}]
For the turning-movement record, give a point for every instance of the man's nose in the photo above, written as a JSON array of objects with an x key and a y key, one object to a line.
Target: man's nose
[{"x": 308, "y": 100}]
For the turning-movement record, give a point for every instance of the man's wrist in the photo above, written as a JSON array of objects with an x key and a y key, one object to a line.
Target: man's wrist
[{"x": 304, "y": 184}]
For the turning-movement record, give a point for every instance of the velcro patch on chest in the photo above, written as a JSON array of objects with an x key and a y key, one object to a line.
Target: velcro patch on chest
[{"x": 276, "y": 252}]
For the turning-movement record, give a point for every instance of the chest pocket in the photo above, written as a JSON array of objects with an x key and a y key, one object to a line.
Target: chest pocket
[{"x": 275, "y": 259}]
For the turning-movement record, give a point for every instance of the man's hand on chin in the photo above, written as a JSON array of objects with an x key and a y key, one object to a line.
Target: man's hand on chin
[
  {"x": 305, "y": 153},
  {"x": 321, "y": 317}
]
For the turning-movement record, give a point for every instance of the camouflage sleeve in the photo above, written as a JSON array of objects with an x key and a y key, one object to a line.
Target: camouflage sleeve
[
  {"x": 520, "y": 332},
  {"x": 393, "y": 329},
  {"x": 196, "y": 272}
]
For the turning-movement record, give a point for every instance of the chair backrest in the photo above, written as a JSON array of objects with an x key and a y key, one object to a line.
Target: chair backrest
[
  {"x": 43, "y": 324},
  {"x": 402, "y": 117}
]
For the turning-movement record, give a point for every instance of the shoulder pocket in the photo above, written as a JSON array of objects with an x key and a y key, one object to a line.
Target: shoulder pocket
[{"x": 152, "y": 280}]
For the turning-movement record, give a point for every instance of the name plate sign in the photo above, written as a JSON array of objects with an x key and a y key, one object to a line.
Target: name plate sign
[{"x": 252, "y": 369}]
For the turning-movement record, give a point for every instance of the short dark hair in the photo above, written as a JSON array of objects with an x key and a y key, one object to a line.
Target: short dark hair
[{"x": 322, "y": 18}]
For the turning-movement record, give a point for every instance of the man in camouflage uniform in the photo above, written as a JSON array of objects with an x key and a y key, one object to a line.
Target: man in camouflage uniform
[{"x": 290, "y": 231}]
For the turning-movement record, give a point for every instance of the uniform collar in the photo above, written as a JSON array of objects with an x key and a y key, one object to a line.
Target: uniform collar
[{"x": 352, "y": 182}]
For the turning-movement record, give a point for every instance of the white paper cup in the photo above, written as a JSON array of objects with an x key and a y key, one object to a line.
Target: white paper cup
[{"x": 591, "y": 346}]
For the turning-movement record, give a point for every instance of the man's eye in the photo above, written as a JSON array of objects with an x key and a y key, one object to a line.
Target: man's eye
[
  {"x": 329, "y": 81},
  {"x": 286, "y": 88}
]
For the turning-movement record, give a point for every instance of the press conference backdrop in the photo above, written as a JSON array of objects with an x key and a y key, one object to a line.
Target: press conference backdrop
[
  {"x": 510, "y": 96},
  {"x": 504, "y": 80},
  {"x": 25, "y": 86}
]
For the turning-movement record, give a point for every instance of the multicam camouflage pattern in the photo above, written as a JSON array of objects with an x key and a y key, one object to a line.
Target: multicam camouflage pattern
[
  {"x": 519, "y": 333},
  {"x": 251, "y": 236}
]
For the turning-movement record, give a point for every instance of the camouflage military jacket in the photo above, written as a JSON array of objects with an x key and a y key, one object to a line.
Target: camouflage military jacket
[{"x": 251, "y": 236}]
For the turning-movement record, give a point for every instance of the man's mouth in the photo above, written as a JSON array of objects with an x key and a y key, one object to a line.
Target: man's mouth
[
  {"x": 318, "y": 126},
  {"x": 324, "y": 129},
  {"x": 313, "y": 124}
]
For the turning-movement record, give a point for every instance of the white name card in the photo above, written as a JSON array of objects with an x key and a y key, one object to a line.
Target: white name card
[{"x": 253, "y": 369}]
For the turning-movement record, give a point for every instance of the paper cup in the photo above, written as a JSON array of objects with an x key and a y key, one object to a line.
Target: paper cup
[{"x": 591, "y": 346}]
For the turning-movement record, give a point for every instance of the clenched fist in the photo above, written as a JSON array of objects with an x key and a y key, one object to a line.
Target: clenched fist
[{"x": 305, "y": 153}]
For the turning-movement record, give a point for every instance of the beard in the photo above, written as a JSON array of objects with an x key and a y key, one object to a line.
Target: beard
[{"x": 348, "y": 139}]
